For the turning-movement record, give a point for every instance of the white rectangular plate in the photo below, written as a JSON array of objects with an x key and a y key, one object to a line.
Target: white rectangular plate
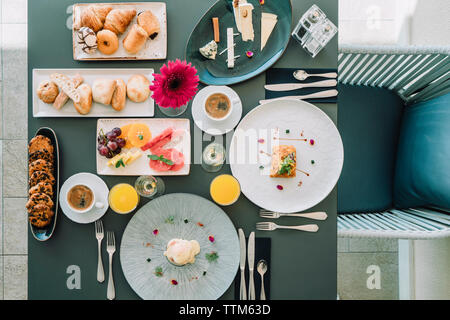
[
  {"x": 153, "y": 50},
  {"x": 132, "y": 109},
  {"x": 141, "y": 166}
]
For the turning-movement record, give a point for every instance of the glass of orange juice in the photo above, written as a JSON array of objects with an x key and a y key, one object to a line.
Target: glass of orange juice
[
  {"x": 123, "y": 198},
  {"x": 225, "y": 189}
]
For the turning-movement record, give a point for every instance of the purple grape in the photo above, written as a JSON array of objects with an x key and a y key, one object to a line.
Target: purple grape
[
  {"x": 109, "y": 155},
  {"x": 117, "y": 131},
  {"x": 117, "y": 151},
  {"x": 101, "y": 140},
  {"x": 104, "y": 151},
  {"x": 121, "y": 142},
  {"x": 112, "y": 145},
  {"x": 111, "y": 135}
]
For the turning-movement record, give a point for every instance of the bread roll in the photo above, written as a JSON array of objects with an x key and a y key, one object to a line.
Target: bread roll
[
  {"x": 47, "y": 91},
  {"x": 85, "y": 104},
  {"x": 135, "y": 39},
  {"x": 103, "y": 90},
  {"x": 94, "y": 17},
  {"x": 138, "y": 88},
  {"x": 119, "y": 98}
]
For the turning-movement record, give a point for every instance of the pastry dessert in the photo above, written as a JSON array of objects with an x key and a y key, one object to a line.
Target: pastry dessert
[
  {"x": 39, "y": 198},
  {"x": 40, "y": 143},
  {"x": 284, "y": 162},
  {"x": 138, "y": 88},
  {"x": 42, "y": 187},
  {"x": 40, "y": 215},
  {"x": 85, "y": 104},
  {"x": 47, "y": 91},
  {"x": 94, "y": 17},
  {"x": 135, "y": 40},
  {"x": 41, "y": 176},
  {"x": 87, "y": 39},
  {"x": 107, "y": 42},
  {"x": 118, "y": 20},
  {"x": 62, "y": 97},
  {"x": 41, "y": 181},
  {"x": 41, "y": 154},
  {"x": 181, "y": 252},
  {"x": 149, "y": 22},
  {"x": 103, "y": 90},
  {"x": 40, "y": 165},
  {"x": 119, "y": 97}
]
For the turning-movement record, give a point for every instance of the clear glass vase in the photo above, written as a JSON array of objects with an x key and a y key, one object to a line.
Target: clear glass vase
[{"x": 174, "y": 112}]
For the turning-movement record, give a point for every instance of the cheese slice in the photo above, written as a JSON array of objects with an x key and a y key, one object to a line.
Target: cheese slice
[
  {"x": 127, "y": 158},
  {"x": 246, "y": 21},
  {"x": 268, "y": 22}
]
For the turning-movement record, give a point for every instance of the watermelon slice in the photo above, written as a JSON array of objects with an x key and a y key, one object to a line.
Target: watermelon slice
[
  {"x": 159, "y": 141},
  {"x": 174, "y": 155}
]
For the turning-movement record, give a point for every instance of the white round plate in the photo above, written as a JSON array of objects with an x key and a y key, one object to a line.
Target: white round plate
[
  {"x": 101, "y": 195},
  {"x": 212, "y": 127},
  {"x": 251, "y": 149},
  {"x": 182, "y": 216}
]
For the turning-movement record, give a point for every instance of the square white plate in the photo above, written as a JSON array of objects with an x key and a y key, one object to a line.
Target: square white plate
[
  {"x": 153, "y": 50},
  {"x": 141, "y": 166},
  {"x": 132, "y": 109}
]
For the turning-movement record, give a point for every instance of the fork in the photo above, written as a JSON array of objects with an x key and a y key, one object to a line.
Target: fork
[
  {"x": 320, "y": 215},
  {"x": 270, "y": 226},
  {"x": 99, "y": 235},
  {"x": 110, "y": 248}
]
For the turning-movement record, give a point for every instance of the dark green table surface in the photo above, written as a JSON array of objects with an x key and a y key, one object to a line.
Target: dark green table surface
[{"x": 303, "y": 264}]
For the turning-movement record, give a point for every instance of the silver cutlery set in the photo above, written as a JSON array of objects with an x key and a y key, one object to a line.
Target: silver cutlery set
[
  {"x": 270, "y": 226},
  {"x": 248, "y": 253},
  {"x": 110, "y": 248},
  {"x": 301, "y": 75}
]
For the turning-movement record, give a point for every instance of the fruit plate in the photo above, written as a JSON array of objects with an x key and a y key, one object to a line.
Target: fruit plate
[
  {"x": 141, "y": 166},
  {"x": 132, "y": 109},
  {"x": 216, "y": 72},
  {"x": 153, "y": 49}
]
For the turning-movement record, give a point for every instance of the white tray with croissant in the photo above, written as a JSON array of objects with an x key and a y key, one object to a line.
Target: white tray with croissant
[
  {"x": 92, "y": 93},
  {"x": 119, "y": 31}
]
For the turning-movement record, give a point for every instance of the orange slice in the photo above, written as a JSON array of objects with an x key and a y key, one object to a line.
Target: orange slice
[
  {"x": 124, "y": 135},
  {"x": 139, "y": 134}
]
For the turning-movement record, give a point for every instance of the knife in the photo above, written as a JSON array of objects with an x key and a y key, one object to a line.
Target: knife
[
  {"x": 243, "y": 291},
  {"x": 320, "y": 94},
  {"x": 295, "y": 86},
  {"x": 251, "y": 266}
]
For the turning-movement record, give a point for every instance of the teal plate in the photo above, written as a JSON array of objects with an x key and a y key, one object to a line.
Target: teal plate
[{"x": 216, "y": 72}]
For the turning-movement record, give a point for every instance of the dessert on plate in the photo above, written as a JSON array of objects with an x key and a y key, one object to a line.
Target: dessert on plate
[
  {"x": 284, "y": 162},
  {"x": 181, "y": 252}
]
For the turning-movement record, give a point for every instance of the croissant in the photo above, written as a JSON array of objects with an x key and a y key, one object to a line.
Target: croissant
[
  {"x": 94, "y": 17},
  {"x": 118, "y": 20}
]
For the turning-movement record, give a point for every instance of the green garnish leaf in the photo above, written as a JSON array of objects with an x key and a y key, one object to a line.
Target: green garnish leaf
[
  {"x": 141, "y": 137},
  {"x": 161, "y": 158},
  {"x": 159, "y": 272},
  {"x": 211, "y": 257},
  {"x": 120, "y": 163},
  {"x": 170, "y": 219},
  {"x": 287, "y": 164},
  {"x": 287, "y": 131}
]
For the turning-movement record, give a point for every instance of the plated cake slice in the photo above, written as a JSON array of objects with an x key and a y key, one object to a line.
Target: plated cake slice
[{"x": 284, "y": 162}]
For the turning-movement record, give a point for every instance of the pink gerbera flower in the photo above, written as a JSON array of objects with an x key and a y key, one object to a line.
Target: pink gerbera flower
[{"x": 176, "y": 85}]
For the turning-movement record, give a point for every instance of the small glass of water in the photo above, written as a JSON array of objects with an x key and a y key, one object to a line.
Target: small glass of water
[
  {"x": 149, "y": 186},
  {"x": 213, "y": 157}
]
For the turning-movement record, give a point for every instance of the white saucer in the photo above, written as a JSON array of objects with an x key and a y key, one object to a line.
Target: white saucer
[
  {"x": 101, "y": 195},
  {"x": 212, "y": 127}
]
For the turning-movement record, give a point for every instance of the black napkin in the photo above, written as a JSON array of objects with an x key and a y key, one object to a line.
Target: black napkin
[
  {"x": 285, "y": 75},
  {"x": 262, "y": 251}
]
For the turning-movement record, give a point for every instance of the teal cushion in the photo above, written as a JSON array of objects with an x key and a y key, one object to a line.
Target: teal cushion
[
  {"x": 423, "y": 160},
  {"x": 369, "y": 122}
]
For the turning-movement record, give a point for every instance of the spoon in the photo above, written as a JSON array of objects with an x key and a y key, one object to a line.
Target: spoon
[
  {"x": 302, "y": 75},
  {"x": 262, "y": 268}
]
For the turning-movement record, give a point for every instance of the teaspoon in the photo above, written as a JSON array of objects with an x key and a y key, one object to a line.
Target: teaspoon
[
  {"x": 302, "y": 75},
  {"x": 262, "y": 268}
]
